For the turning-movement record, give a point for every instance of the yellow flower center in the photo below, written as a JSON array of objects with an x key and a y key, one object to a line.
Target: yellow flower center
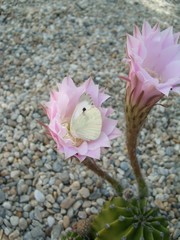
[{"x": 75, "y": 141}]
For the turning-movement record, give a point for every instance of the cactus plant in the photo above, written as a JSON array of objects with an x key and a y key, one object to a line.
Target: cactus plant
[
  {"x": 129, "y": 220},
  {"x": 80, "y": 230}
]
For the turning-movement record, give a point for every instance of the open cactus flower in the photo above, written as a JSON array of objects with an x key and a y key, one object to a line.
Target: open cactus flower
[
  {"x": 79, "y": 124},
  {"x": 154, "y": 61},
  {"x": 81, "y": 128}
]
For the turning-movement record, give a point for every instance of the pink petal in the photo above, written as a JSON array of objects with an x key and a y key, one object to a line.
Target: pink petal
[
  {"x": 94, "y": 153},
  {"x": 102, "y": 141},
  {"x": 102, "y": 97},
  {"x": 115, "y": 134},
  {"x": 167, "y": 38},
  {"x": 83, "y": 148},
  {"x": 172, "y": 70},
  {"x": 146, "y": 29},
  {"x": 69, "y": 152},
  {"x": 108, "y": 125}
]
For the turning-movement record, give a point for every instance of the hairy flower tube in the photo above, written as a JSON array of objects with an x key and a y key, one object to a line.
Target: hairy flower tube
[
  {"x": 154, "y": 61},
  {"x": 78, "y": 123}
]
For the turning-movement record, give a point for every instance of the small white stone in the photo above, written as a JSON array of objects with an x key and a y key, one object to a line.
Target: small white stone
[
  {"x": 39, "y": 196},
  {"x": 15, "y": 174},
  {"x": 14, "y": 220},
  {"x": 7, "y": 205},
  {"x": 84, "y": 192},
  {"x": 50, "y": 221}
]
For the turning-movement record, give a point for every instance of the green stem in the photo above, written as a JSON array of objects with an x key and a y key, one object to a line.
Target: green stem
[
  {"x": 91, "y": 164},
  {"x": 131, "y": 146}
]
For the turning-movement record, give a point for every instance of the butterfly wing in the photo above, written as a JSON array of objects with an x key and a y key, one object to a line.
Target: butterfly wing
[
  {"x": 86, "y": 121},
  {"x": 84, "y": 102}
]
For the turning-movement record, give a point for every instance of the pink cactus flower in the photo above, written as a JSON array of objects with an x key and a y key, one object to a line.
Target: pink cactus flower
[
  {"x": 79, "y": 124},
  {"x": 154, "y": 58}
]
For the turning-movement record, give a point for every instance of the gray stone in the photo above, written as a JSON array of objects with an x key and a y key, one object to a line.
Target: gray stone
[
  {"x": 66, "y": 221},
  {"x": 15, "y": 174},
  {"x": 67, "y": 203},
  {"x": 2, "y": 196},
  {"x": 75, "y": 185},
  {"x": 24, "y": 198},
  {"x": 96, "y": 194},
  {"x": 7, "y": 205},
  {"x": 50, "y": 221},
  {"x": 37, "y": 233},
  {"x": 14, "y": 220},
  {"x": 56, "y": 231},
  {"x": 2, "y": 211},
  {"x": 22, "y": 223},
  {"x": 37, "y": 214},
  {"x": 1, "y": 220},
  {"x": 14, "y": 235},
  {"x": 27, "y": 208},
  {"x": 22, "y": 187},
  {"x": 124, "y": 166},
  {"x": 57, "y": 166},
  {"x": 50, "y": 198},
  {"x": 77, "y": 205},
  {"x": 94, "y": 210},
  {"x": 39, "y": 196},
  {"x": 82, "y": 214},
  {"x": 84, "y": 192},
  {"x": 64, "y": 177},
  {"x": 28, "y": 236},
  {"x": 176, "y": 234}
]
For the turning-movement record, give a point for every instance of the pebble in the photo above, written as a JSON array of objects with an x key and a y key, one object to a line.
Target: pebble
[
  {"x": 2, "y": 211},
  {"x": 84, "y": 192},
  {"x": 37, "y": 214},
  {"x": 96, "y": 194},
  {"x": 50, "y": 221},
  {"x": 14, "y": 220},
  {"x": 56, "y": 231},
  {"x": 37, "y": 233},
  {"x": 57, "y": 166},
  {"x": 39, "y": 196},
  {"x": 15, "y": 174},
  {"x": 77, "y": 205},
  {"x": 24, "y": 198},
  {"x": 82, "y": 214},
  {"x": 2, "y": 196},
  {"x": 66, "y": 221},
  {"x": 124, "y": 166},
  {"x": 64, "y": 177},
  {"x": 50, "y": 198},
  {"x": 176, "y": 234},
  {"x": 14, "y": 235},
  {"x": 75, "y": 185},
  {"x": 67, "y": 203},
  {"x": 7, "y": 205},
  {"x": 22, "y": 223},
  {"x": 94, "y": 210},
  {"x": 22, "y": 187}
]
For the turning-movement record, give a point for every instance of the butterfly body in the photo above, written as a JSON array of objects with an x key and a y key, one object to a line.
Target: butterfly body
[{"x": 86, "y": 120}]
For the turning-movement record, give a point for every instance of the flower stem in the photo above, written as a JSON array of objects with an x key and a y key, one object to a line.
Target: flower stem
[
  {"x": 131, "y": 146},
  {"x": 90, "y": 163}
]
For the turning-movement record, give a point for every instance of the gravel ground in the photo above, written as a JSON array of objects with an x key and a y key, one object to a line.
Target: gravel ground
[{"x": 41, "y": 42}]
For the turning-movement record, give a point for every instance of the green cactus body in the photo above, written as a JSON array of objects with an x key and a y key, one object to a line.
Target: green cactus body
[{"x": 129, "y": 220}]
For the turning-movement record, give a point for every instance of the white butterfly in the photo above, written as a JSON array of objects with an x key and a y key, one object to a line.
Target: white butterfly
[{"x": 86, "y": 120}]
